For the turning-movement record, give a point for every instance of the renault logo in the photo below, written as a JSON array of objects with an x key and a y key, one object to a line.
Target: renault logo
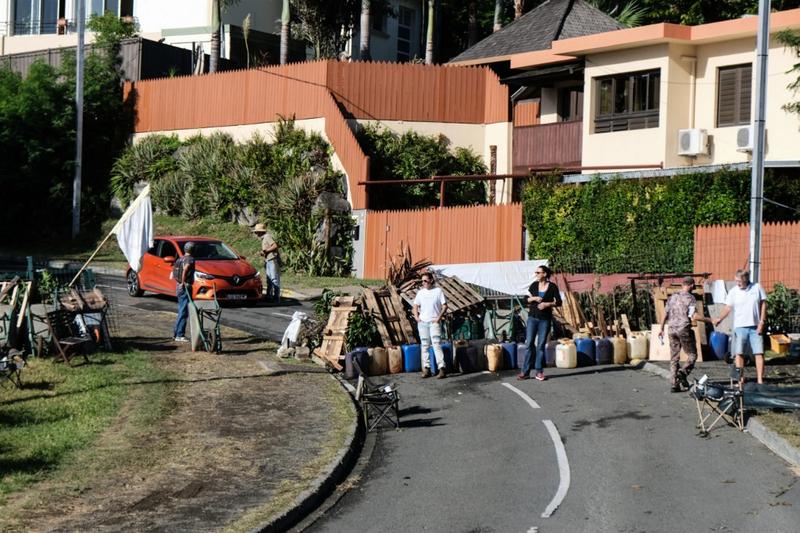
[{"x": 237, "y": 280}]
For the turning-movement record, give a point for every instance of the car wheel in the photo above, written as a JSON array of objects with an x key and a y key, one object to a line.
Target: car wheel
[{"x": 133, "y": 284}]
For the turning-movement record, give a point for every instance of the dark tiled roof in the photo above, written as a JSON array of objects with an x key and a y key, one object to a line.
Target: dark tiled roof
[{"x": 550, "y": 21}]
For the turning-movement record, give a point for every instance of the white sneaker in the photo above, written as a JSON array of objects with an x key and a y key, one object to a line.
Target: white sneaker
[{"x": 181, "y": 339}]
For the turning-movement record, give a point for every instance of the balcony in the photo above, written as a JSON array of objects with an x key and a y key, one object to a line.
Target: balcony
[{"x": 547, "y": 145}]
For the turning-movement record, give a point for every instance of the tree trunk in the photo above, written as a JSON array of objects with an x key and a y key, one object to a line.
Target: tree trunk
[
  {"x": 429, "y": 41},
  {"x": 498, "y": 11},
  {"x": 519, "y": 5},
  {"x": 366, "y": 22},
  {"x": 472, "y": 31},
  {"x": 213, "y": 63},
  {"x": 285, "y": 18}
]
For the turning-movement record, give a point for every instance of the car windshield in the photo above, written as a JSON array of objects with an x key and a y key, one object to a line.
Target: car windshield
[{"x": 215, "y": 250}]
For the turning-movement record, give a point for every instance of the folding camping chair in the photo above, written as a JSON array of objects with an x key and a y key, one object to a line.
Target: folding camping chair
[
  {"x": 726, "y": 401},
  {"x": 11, "y": 364},
  {"x": 378, "y": 402}
]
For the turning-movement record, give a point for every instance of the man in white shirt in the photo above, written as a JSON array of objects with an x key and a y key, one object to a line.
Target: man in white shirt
[
  {"x": 749, "y": 304},
  {"x": 429, "y": 307}
]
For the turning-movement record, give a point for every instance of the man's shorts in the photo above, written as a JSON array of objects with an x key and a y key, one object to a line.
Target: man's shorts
[{"x": 745, "y": 338}]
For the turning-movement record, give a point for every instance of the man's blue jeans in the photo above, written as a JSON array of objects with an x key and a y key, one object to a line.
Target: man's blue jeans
[
  {"x": 272, "y": 271},
  {"x": 183, "y": 313},
  {"x": 537, "y": 329}
]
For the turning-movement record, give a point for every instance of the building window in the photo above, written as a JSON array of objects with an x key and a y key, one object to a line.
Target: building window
[
  {"x": 733, "y": 95},
  {"x": 570, "y": 104},
  {"x": 34, "y": 17},
  {"x": 378, "y": 17},
  {"x": 405, "y": 23},
  {"x": 627, "y": 101}
]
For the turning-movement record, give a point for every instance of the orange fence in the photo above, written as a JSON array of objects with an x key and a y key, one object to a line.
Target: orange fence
[
  {"x": 323, "y": 89},
  {"x": 446, "y": 235},
  {"x": 383, "y": 91},
  {"x": 722, "y": 250},
  {"x": 349, "y": 152}
]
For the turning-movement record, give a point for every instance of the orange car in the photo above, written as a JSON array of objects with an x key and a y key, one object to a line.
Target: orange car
[{"x": 218, "y": 271}]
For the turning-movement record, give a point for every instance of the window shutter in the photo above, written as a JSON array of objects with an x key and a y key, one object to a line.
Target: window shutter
[
  {"x": 726, "y": 102},
  {"x": 745, "y": 90}
]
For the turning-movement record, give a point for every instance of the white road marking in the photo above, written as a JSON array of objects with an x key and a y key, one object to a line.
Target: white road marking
[
  {"x": 522, "y": 395},
  {"x": 563, "y": 469},
  {"x": 534, "y": 529}
]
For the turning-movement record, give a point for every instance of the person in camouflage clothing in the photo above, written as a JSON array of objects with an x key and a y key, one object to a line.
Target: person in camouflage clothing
[{"x": 679, "y": 313}]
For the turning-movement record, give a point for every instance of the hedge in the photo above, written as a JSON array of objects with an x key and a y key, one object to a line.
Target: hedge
[{"x": 640, "y": 225}]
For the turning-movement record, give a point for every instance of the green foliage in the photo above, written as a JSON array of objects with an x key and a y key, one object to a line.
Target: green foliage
[
  {"x": 37, "y": 145},
  {"x": 110, "y": 30},
  {"x": 280, "y": 182},
  {"x": 783, "y": 306},
  {"x": 416, "y": 156},
  {"x": 322, "y": 306},
  {"x": 147, "y": 160},
  {"x": 639, "y": 225},
  {"x": 791, "y": 39},
  {"x": 361, "y": 331}
]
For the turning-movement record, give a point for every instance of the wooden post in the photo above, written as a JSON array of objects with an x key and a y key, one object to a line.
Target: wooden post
[{"x": 441, "y": 193}]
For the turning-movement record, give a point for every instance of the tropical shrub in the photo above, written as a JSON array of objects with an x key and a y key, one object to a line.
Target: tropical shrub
[
  {"x": 279, "y": 182},
  {"x": 416, "y": 156}
]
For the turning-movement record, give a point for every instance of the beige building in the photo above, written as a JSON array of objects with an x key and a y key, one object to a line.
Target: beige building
[{"x": 659, "y": 95}]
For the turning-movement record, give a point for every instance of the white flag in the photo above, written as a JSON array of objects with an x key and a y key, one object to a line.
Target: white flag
[{"x": 134, "y": 230}]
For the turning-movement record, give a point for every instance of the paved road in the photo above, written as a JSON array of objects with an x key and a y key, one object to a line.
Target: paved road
[
  {"x": 477, "y": 455},
  {"x": 480, "y": 453},
  {"x": 264, "y": 320}
]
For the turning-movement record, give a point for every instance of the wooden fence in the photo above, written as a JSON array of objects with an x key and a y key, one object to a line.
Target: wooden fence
[
  {"x": 331, "y": 90},
  {"x": 444, "y": 235},
  {"x": 555, "y": 144},
  {"x": 722, "y": 250}
]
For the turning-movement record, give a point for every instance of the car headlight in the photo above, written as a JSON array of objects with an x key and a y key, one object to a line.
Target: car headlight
[
  {"x": 202, "y": 275},
  {"x": 257, "y": 274}
]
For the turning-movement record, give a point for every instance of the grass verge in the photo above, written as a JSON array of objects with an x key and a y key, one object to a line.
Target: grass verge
[
  {"x": 45, "y": 426},
  {"x": 787, "y": 425},
  {"x": 342, "y": 413}
]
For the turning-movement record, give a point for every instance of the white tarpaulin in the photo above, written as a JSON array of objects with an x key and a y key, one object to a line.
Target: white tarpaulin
[
  {"x": 134, "y": 230},
  {"x": 290, "y": 335},
  {"x": 508, "y": 277}
]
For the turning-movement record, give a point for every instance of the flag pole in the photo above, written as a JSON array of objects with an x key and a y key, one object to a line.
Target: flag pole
[
  {"x": 131, "y": 209},
  {"x": 86, "y": 264}
]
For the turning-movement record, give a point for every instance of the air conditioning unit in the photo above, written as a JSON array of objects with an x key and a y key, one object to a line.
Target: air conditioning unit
[
  {"x": 745, "y": 139},
  {"x": 692, "y": 142}
]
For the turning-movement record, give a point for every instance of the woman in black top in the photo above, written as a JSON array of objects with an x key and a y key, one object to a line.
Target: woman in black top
[{"x": 544, "y": 296}]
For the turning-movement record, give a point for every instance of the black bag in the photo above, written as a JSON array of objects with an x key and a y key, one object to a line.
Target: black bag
[{"x": 177, "y": 267}]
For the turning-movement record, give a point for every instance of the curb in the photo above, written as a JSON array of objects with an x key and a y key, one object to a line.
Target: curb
[
  {"x": 322, "y": 487},
  {"x": 777, "y": 444}
]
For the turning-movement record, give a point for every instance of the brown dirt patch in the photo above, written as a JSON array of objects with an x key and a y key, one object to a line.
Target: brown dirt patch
[{"x": 236, "y": 439}]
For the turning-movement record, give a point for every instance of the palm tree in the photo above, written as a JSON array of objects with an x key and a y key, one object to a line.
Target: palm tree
[
  {"x": 285, "y": 18},
  {"x": 498, "y": 11},
  {"x": 628, "y": 13},
  {"x": 363, "y": 51},
  {"x": 519, "y": 7},
  {"x": 217, "y": 6},
  {"x": 429, "y": 41},
  {"x": 472, "y": 23}
]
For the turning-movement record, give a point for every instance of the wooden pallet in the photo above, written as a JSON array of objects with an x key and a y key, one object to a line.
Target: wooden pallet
[
  {"x": 387, "y": 308},
  {"x": 335, "y": 332}
]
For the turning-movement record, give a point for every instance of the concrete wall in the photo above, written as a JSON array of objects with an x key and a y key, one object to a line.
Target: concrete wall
[
  {"x": 678, "y": 110},
  {"x": 242, "y": 133}
]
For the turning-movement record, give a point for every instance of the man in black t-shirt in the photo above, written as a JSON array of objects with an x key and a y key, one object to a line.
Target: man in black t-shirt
[{"x": 184, "y": 281}]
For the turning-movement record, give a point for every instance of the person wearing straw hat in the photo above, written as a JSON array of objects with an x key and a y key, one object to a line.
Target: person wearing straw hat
[{"x": 272, "y": 262}]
